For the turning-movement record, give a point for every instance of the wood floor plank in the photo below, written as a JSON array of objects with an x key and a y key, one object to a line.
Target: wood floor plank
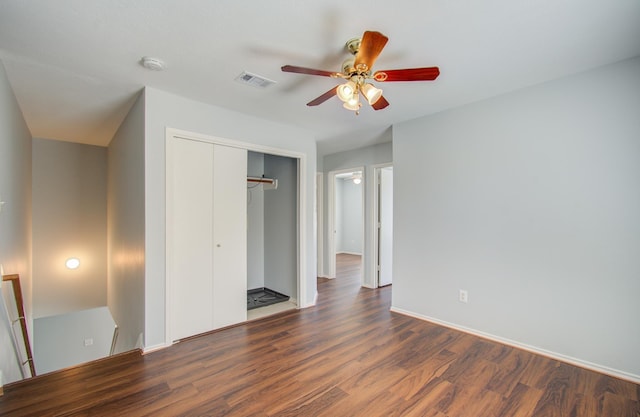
[
  {"x": 346, "y": 356},
  {"x": 435, "y": 395},
  {"x": 521, "y": 402},
  {"x": 420, "y": 376},
  {"x": 511, "y": 366}
]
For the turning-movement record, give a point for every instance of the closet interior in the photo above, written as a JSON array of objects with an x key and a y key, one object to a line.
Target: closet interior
[{"x": 272, "y": 188}]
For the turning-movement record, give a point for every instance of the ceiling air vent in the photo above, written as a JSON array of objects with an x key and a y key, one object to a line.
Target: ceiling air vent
[{"x": 254, "y": 80}]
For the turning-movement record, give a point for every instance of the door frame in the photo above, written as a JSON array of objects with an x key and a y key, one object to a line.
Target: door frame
[
  {"x": 373, "y": 227},
  {"x": 319, "y": 223},
  {"x": 331, "y": 215},
  {"x": 301, "y": 219}
]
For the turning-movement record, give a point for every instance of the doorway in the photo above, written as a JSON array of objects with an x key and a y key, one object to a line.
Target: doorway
[
  {"x": 346, "y": 216},
  {"x": 271, "y": 234}
]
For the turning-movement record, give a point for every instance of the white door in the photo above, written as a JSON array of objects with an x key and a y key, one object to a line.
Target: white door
[
  {"x": 385, "y": 212},
  {"x": 192, "y": 240},
  {"x": 208, "y": 236},
  {"x": 229, "y": 235}
]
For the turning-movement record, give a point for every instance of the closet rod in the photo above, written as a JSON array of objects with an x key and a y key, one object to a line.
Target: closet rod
[{"x": 261, "y": 180}]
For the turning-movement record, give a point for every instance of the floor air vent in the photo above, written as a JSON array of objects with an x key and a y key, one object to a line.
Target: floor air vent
[{"x": 260, "y": 297}]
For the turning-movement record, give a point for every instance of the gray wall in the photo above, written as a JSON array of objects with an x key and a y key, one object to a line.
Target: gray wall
[
  {"x": 168, "y": 110},
  {"x": 60, "y": 340},
  {"x": 367, "y": 157},
  {"x": 15, "y": 217},
  {"x": 126, "y": 228},
  {"x": 531, "y": 202},
  {"x": 69, "y": 220},
  {"x": 349, "y": 224},
  {"x": 280, "y": 228}
]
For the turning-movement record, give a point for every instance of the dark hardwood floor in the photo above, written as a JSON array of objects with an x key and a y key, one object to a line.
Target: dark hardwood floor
[{"x": 347, "y": 356}]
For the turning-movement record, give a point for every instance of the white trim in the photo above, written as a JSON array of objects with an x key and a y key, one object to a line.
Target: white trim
[
  {"x": 320, "y": 223},
  {"x": 373, "y": 228},
  {"x": 154, "y": 348},
  {"x": 331, "y": 228},
  {"x": 373, "y": 262},
  {"x": 533, "y": 349},
  {"x": 302, "y": 229},
  {"x": 183, "y": 134},
  {"x": 170, "y": 133},
  {"x": 349, "y": 253}
]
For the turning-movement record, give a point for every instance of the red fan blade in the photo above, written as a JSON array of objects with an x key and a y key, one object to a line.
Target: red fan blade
[
  {"x": 326, "y": 96},
  {"x": 409, "y": 74},
  {"x": 303, "y": 70},
  {"x": 371, "y": 45},
  {"x": 380, "y": 104}
]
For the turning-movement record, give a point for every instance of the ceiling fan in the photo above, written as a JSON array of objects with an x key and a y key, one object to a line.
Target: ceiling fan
[{"x": 358, "y": 70}]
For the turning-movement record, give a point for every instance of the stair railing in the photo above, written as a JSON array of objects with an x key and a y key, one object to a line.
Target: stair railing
[{"x": 17, "y": 293}]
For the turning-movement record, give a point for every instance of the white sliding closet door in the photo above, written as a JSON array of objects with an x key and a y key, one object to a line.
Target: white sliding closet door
[
  {"x": 207, "y": 240},
  {"x": 192, "y": 241},
  {"x": 230, "y": 235}
]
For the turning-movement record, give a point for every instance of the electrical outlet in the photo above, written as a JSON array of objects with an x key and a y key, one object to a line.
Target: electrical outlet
[
  {"x": 463, "y": 296},
  {"x": 88, "y": 342}
]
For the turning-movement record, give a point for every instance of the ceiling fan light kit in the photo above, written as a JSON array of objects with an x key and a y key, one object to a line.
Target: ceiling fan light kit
[
  {"x": 372, "y": 93},
  {"x": 347, "y": 90},
  {"x": 359, "y": 69},
  {"x": 353, "y": 104}
]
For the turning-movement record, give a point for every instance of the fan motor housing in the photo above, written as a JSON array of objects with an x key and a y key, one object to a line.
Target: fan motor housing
[
  {"x": 353, "y": 45},
  {"x": 348, "y": 66}
]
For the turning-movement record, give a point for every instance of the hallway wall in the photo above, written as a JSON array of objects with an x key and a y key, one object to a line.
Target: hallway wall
[
  {"x": 69, "y": 220},
  {"x": 15, "y": 218}
]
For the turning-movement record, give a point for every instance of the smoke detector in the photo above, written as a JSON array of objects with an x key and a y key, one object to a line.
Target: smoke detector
[{"x": 153, "y": 64}]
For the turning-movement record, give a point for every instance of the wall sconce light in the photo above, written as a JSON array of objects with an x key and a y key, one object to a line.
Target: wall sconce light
[{"x": 72, "y": 263}]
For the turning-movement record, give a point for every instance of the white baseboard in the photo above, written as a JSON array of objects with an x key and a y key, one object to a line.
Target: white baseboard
[
  {"x": 328, "y": 277},
  {"x": 616, "y": 373},
  {"x": 149, "y": 349},
  {"x": 312, "y": 304},
  {"x": 348, "y": 253}
]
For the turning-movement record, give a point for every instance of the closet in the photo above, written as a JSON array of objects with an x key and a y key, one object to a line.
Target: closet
[
  {"x": 206, "y": 236},
  {"x": 232, "y": 233},
  {"x": 272, "y": 231}
]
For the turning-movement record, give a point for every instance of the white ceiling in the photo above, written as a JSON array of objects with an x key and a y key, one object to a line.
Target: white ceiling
[{"x": 74, "y": 64}]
